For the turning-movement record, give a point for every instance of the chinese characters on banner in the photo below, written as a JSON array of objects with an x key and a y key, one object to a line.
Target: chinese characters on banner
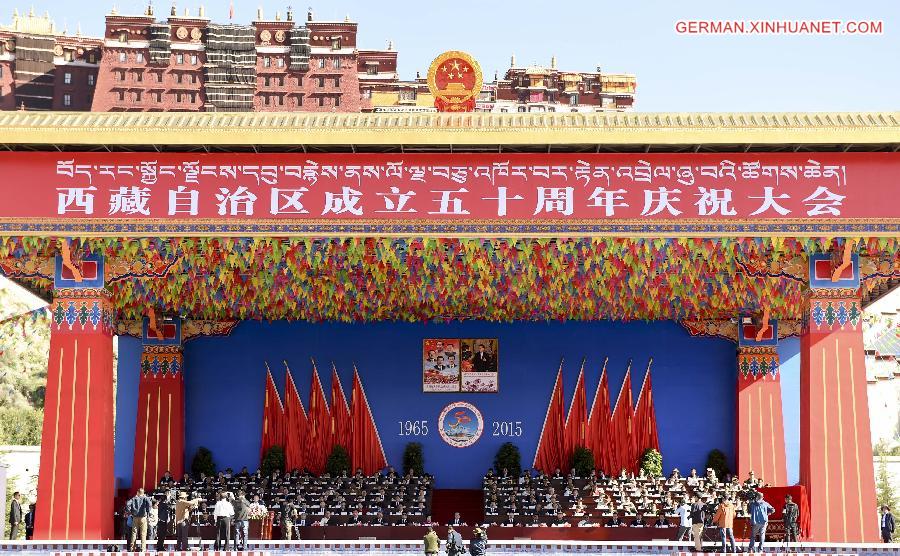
[{"x": 456, "y": 188}]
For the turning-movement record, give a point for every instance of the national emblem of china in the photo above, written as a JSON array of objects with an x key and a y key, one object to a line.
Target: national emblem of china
[{"x": 454, "y": 79}]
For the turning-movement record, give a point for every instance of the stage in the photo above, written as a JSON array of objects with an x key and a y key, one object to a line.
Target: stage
[{"x": 665, "y": 302}]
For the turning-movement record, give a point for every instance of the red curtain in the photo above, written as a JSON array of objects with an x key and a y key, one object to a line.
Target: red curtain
[
  {"x": 622, "y": 428},
  {"x": 340, "y": 413},
  {"x": 551, "y": 443},
  {"x": 295, "y": 425},
  {"x": 645, "y": 434},
  {"x": 366, "y": 451},
  {"x": 599, "y": 426},
  {"x": 576, "y": 423},
  {"x": 318, "y": 445},
  {"x": 273, "y": 417}
]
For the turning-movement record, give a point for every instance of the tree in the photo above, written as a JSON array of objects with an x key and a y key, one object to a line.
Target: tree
[
  {"x": 203, "y": 463},
  {"x": 884, "y": 488},
  {"x": 651, "y": 462},
  {"x": 413, "y": 458},
  {"x": 338, "y": 461},
  {"x": 582, "y": 461},
  {"x": 20, "y": 426},
  {"x": 508, "y": 457},
  {"x": 717, "y": 461},
  {"x": 273, "y": 460}
]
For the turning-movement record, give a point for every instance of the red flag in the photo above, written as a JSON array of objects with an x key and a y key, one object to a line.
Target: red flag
[
  {"x": 622, "y": 427},
  {"x": 550, "y": 448},
  {"x": 340, "y": 413},
  {"x": 599, "y": 418},
  {"x": 576, "y": 422},
  {"x": 318, "y": 444},
  {"x": 273, "y": 416},
  {"x": 645, "y": 434},
  {"x": 366, "y": 451},
  {"x": 231, "y": 10},
  {"x": 295, "y": 433}
]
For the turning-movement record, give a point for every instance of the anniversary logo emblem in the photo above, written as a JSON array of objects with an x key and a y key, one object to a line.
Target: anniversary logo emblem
[
  {"x": 454, "y": 79},
  {"x": 460, "y": 424}
]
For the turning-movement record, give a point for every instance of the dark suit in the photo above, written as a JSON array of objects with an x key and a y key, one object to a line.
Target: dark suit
[
  {"x": 789, "y": 515},
  {"x": 887, "y": 526},
  {"x": 482, "y": 361},
  {"x": 15, "y": 518}
]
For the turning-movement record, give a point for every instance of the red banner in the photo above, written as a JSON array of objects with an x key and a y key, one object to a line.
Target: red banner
[{"x": 348, "y": 188}]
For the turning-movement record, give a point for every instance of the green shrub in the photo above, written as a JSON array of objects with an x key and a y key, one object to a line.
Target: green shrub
[
  {"x": 273, "y": 460},
  {"x": 582, "y": 461},
  {"x": 203, "y": 463},
  {"x": 21, "y": 426},
  {"x": 717, "y": 461},
  {"x": 651, "y": 462},
  {"x": 414, "y": 459},
  {"x": 508, "y": 456},
  {"x": 338, "y": 461}
]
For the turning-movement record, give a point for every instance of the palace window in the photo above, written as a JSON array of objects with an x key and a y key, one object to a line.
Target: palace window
[
  {"x": 92, "y": 58},
  {"x": 121, "y": 95},
  {"x": 321, "y": 101},
  {"x": 337, "y": 81},
  {"x": 337, "y": 100},
  {"x": 573, "y": 100},
  {"x": 123, "y": 57},
  {"x": 336, "y": 43},
  {"x": 67, "y": 99},
  {"x": 193, "y": 59},
  {"x": 267, "y": 62},
  {"x": 321, "y": 63},
  {"x": 280, "y": 62},
  {"x": 139, "y": 76},
  {"x": 137, "y": 96},
  {"x": 123, "y": 37},
  {"x": 91, "y": 79},
  {"x": 281, "y": 100},
  {"x": 321, "y": 82},
  {"x": 139, "y": 57},
  {"x": 68, "y": 56},
  {"x": 67, "y": 78}
]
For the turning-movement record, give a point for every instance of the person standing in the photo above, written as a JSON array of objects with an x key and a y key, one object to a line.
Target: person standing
[
  {"x": 140, "y": 514},
  {"x": 431, "y": 542},
  {"x": 164, "y": 524},
  {"x": 724, "y": 520},
  {"x": 478, "y": 544},
  {"x": 29, "y": 522},
  {"x": 288, "y": 516},
  {"x": 759, "y": 511},
  {"x": 223, "y": 513},
  {"x": 789, "y": 516},
  {"x": 15, "y": 516},
  {"x": 698, "y": 516},
  {"x": 684, "y": 520},
  {"x": 455, "y": 546},
  {"x": 887, "y": 524},
  {"x": 241, "y": 520},
  {"x": 183, "y": 520}
]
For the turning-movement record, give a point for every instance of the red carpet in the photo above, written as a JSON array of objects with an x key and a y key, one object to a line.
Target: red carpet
[{"x": 469, "y": 504}]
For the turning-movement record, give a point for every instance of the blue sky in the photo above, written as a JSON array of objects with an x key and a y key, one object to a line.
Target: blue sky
[{"x": 674, "y": 72}]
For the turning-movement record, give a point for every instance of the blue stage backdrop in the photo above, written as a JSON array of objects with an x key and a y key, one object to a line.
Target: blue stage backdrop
[{"x": 693, "y": 380}]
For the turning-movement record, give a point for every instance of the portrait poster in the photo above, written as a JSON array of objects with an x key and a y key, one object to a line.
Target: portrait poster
[
  {"x": 479, "y": 365},
  {"x": 440, "y": 365}
]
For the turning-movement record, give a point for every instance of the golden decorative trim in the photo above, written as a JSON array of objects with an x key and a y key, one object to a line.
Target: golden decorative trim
[
  {"x": 825, "y": 450},
  {"x": 775, "y": 467},
  {"x": 840, "y": 418},
  {"x": 55, "y": 442},
  {"x": 146, "y": 434},
  {"x": 762, "y": 459},
  {"x": 71, "y": 438},
  {"x": 475, "y": 128},
  {"x": 168, "y": 437},
  {"x": 156, "y": 451},
  {"x": 856, "y": 439},
  {"x": 87, "y": 445}
]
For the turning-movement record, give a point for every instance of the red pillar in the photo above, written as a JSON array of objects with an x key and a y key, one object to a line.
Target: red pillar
[
  {"x": 76, "y": 478},
  {"x": 835, "y": 443},
  {"x": 159, "y": 436},
  {"x": 760, "y": 420}
]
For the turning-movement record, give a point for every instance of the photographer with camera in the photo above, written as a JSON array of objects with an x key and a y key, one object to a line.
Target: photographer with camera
[{"x": 183, "y": 509}]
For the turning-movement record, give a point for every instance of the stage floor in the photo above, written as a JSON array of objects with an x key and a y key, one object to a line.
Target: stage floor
[{"x": 414, "y": 548}]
